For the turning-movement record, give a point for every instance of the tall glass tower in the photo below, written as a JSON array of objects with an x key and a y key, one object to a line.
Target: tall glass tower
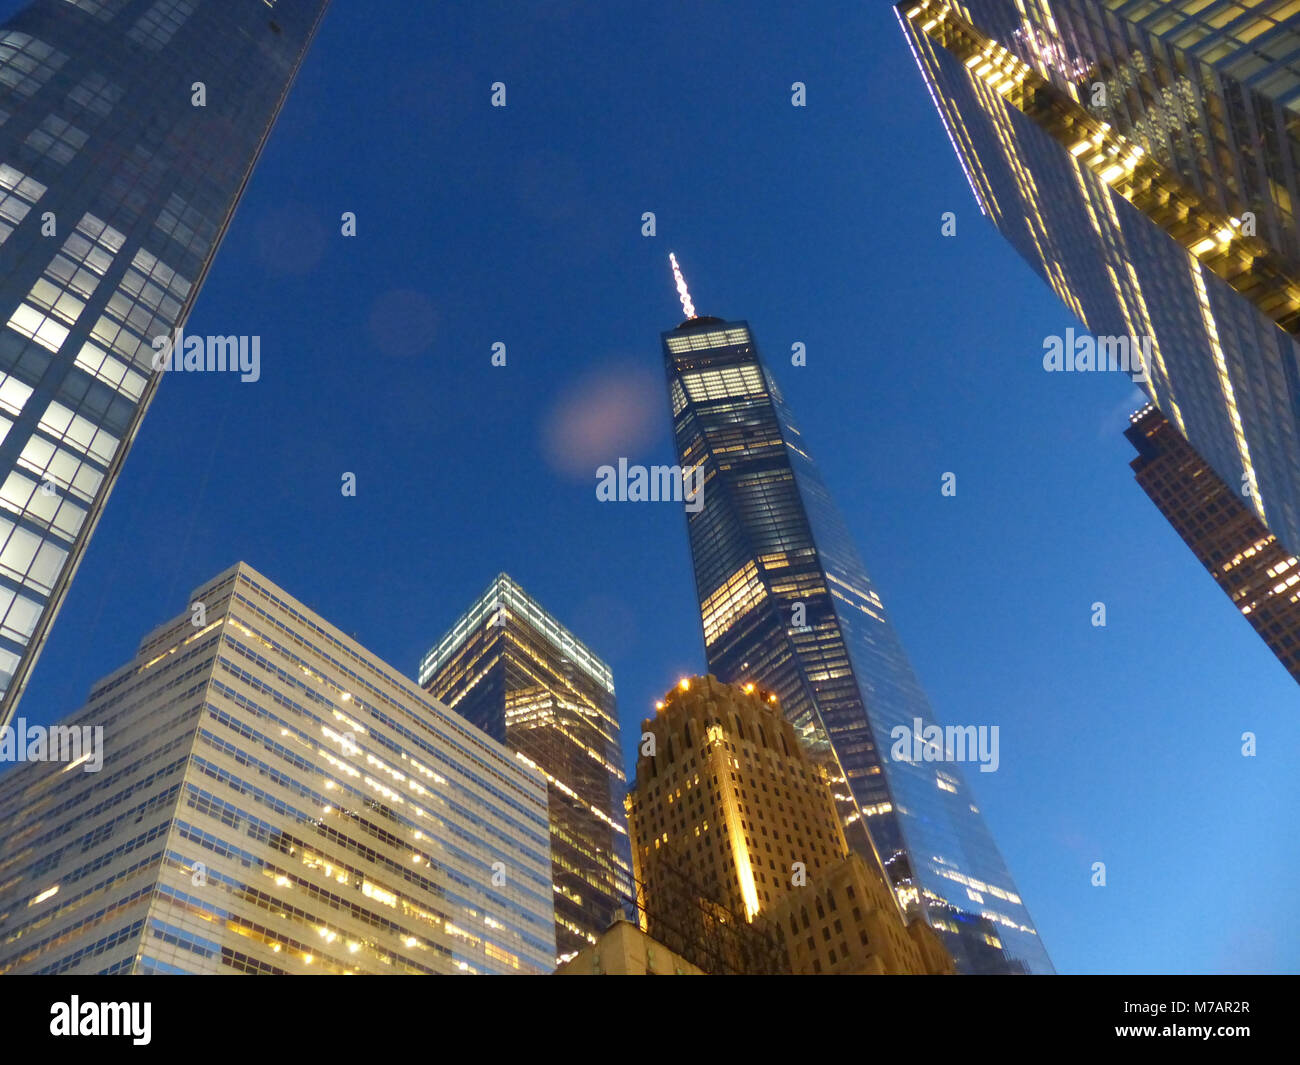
[
  {"x": 1143, "y": 158},
  {"x": 786, "y": 602},
  {"x": 128, "y": 131},
  {"x": 508, "y": 666}
]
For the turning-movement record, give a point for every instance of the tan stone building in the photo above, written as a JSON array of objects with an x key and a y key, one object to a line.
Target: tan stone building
[
  {"x": 727, "y": 805},
  {"x": 847, "y": 922},
  {"x": 624, "y": 950}
]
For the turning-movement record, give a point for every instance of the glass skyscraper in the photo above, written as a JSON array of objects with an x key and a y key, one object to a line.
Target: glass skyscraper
[
  {"x": 269, "y": 797},
  {"x": 1256, "y": 572},
  {"x": 508, "y": 666},
  {"x": 1143, "y": 158},
  {"x": 128, "y": 130},
  {"x": 786, "y": 603}
]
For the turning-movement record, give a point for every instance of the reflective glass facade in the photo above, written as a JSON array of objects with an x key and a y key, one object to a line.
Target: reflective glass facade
[
  {"x": 1210, "y": 88},
  {"x": 770, "y": 550},
  {"x": 273, "y": 799},
  {"x": 509, "y": 667},
  {"x": 115, "y": 190},
  {"x": 1142, "y": 158}
]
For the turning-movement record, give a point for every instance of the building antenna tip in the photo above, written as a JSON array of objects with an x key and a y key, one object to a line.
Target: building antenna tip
[{"x": 683, "y": 293}]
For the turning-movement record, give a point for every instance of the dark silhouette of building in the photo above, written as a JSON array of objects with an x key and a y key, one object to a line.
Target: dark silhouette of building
[{"x": 1259, "y": 575}]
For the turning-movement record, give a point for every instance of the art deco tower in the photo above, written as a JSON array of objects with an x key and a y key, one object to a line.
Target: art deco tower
[
  {"x": 1143, "y": 158},
  {"x": 128, "y": 131},
  {"x": 786, "y": 602},
  {"x": 731, "y": 819}
]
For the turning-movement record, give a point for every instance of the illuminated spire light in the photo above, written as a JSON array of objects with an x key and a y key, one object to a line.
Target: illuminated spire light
[{"x": 683, "y": 293}]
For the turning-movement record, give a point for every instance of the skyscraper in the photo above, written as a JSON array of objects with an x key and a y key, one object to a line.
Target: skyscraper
[
  {"x": 272, "y": 799},
  {"x": 508, "y": 666},
  {"x": 128, "y": 131},
  {"x": 1259, "y": 575},
  {"x": 729, "y": 799},
  {"x": 1142, "y": 157},
  {"x": 786, "y": 602}
]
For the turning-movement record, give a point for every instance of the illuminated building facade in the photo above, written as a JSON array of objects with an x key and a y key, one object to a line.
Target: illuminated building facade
[
  {"x": 273, "y": 799},
  {"x": 1258, "y": 574},
  {"x": 1143, "y": 158},
  {"x": 701, "y": 797},
  {"x": 730, "y": 794},
  {"x": 624, "y": 950},
  {"x": 847, "y": 923},
  {"x": 115, "y": 191},
  {"x": 509, "y": 667},
  {"x": 786, "y": 602}
]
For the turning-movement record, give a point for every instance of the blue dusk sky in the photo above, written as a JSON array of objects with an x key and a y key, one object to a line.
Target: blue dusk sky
[{"x": 820, "y": 225}]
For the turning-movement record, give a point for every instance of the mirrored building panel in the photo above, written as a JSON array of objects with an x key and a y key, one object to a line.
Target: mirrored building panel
[
  {"x": 128, "y": 130},
  {"x": 1209, "y": 88}
]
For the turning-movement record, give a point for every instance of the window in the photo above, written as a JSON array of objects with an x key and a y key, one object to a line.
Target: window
[
  {"x": 157, "y": 26},
  {"x": 95, "y": 94},
  {"x": 104, "y": 10},
  {"x": 18, "y": 193},
  {"x": 56, "y": 139},
  {"x": 26, "y": 63}
]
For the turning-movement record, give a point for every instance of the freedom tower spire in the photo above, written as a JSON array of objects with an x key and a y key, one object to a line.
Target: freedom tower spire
[{"x": 688, "y": 308}]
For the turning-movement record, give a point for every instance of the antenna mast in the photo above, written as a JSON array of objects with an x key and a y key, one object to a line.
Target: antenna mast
[{"x": 682, "y": 292}]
